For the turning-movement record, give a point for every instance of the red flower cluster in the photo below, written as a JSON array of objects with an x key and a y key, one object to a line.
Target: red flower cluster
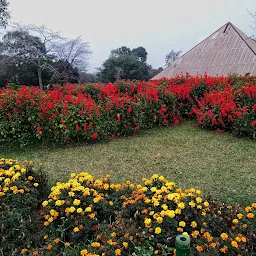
[{"x": 75, "y": 112}]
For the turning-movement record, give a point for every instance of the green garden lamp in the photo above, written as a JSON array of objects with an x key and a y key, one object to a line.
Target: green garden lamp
[{"x": 182, "y": 245}]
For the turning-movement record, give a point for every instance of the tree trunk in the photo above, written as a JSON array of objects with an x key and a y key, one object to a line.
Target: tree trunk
[{"x": 39, "y": 73}]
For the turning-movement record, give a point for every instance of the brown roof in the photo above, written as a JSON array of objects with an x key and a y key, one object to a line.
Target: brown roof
[{"x": 227, "y": 50}]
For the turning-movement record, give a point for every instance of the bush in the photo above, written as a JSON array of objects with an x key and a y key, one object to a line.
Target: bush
[
  {"x": 90, "y": 216},
  {"x": 21, "y": 189},
  {"x": 99, "y": 112}
]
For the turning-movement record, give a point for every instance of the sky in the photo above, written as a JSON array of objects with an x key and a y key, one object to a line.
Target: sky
[{"x": 159, "y": 26}]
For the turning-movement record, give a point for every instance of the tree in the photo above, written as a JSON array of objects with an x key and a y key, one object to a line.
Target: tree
[
  {"x": 171, "y": 57},
  {"x": 54, "y": 58},
  {"x": 124, "y": 63},
  {"x": 4, "y": 13},
  {"x": 71, "y": 56},
  {"x": 32, "y": 44},
  {"x": 253, "y": 26}
]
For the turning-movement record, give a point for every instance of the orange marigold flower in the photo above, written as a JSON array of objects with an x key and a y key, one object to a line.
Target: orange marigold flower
[
  {"x": 35, "y": 253},
  {"x": 224, "y": 236},
  {"x": 49, "y": 247},
  {"x": 24, "y": 250},
  {"x": 199, "y": 248},
  {"x": 250, "y": 215},
  {"x": 118, "y": 251},
  {"x": 57, "y": 240},
  {"x": 234, "y": 244},
  {"x": 224, "y": 249}
]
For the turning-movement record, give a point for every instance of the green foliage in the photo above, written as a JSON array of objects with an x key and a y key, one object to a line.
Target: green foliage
[
  {"x": 21, "y": 189},
  {"x": 124, "y": 63}
]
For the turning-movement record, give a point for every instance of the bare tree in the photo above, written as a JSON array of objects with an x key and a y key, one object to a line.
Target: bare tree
[
  {"x": 72, "y": 53},
  {"x": 171, "y": 57},
  {"x": 253, "y": 26},
  {"x": 33, "y": 44}
]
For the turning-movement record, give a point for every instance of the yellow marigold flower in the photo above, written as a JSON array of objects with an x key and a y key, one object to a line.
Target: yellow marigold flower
[
  {"x": 198, "y": 191},
  {"x": 72, "y": 209},
  {"x": 118, "y": 251},
  {"x": 50, "y": 219},
  {"x": 177, "y": 211},
  {"x": 113, "y": 234},
  {"x": 235, "y": 221},
  {"x": 206, "y": 204},
  {"x": 165, "y": 207},
  {"x": 159, "y": 220},
  {"x": 158, "y": 230},
  {"x": 199, "y": 200},
  {"x": 147, "y": 222},
  {"x": 110, "y": 203},
  {"x": 95, "y": 244},
  {"x": 79, "y": 210},
  {"x": 76, "y": 229},
  {"x": 67, "y": 244},
  {"x": 125, "y": 244},
  {"x": 234, "y": 244},
  {"x": 36, "y": 184},
  {"x": 83, "y": 252},
  {"x": 254, "y": 205},
  {"x": 88, "y": 209},
  {"x": 193, "y": 224},
  {"x": 244, "y": 240},
  {"x": 30, "y": 177},
  {"x": 199, "y": 248},
  {"x": 224, "y": 236},
  {"x": 182, "y": 224},
  {"x": 185, "y": 234},
  {"x": 92, "y": 215},
  {"x": 192, "y": 204},
  {"x": 250, "y": 215},
  {"x": 181, "y": 205},
  {"x": 57, "y": 240},
  {"x": 45, "y": 203},
  {"x": 76, "y": 202},
  {"x": 71, "y": 193}
]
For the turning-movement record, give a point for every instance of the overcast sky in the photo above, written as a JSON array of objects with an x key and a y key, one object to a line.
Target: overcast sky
[{"x": 158, "y": 26}]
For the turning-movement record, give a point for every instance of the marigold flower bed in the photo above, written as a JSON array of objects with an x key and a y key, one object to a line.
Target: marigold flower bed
[
  {"x": 88, "y": 216},
  {"x": 99, "y": 112}
]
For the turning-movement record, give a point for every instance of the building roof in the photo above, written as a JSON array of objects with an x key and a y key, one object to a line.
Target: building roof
[{"x": 227, "y": 50}]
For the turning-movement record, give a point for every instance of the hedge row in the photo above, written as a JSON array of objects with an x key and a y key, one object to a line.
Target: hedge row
[{"x": 96, "y": 112}]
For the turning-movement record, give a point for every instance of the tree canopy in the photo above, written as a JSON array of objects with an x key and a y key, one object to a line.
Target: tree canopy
[
  {"x": 124, "y": 63},
  {"x": 4, "y": 13}
]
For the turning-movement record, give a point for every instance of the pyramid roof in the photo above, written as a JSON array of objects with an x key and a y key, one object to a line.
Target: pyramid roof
[{"x": 227, "y": 50}]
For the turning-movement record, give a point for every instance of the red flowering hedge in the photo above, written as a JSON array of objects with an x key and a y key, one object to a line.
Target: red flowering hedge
[{"x": 95, "y": 112}]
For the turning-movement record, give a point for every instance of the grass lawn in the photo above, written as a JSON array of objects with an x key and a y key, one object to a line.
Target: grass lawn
[{"x": 215, "y": 163}]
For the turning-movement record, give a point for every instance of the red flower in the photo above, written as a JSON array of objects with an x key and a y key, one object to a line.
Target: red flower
[
  {"x": 129, "y": 109},
  {"x": 78, "y": 127},
  {"x": 253, "y": 123},
  {"x": 94, "y": 136}
]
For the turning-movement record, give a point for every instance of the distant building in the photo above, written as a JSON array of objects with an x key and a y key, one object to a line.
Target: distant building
[{"x": 228, "y": 50}]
